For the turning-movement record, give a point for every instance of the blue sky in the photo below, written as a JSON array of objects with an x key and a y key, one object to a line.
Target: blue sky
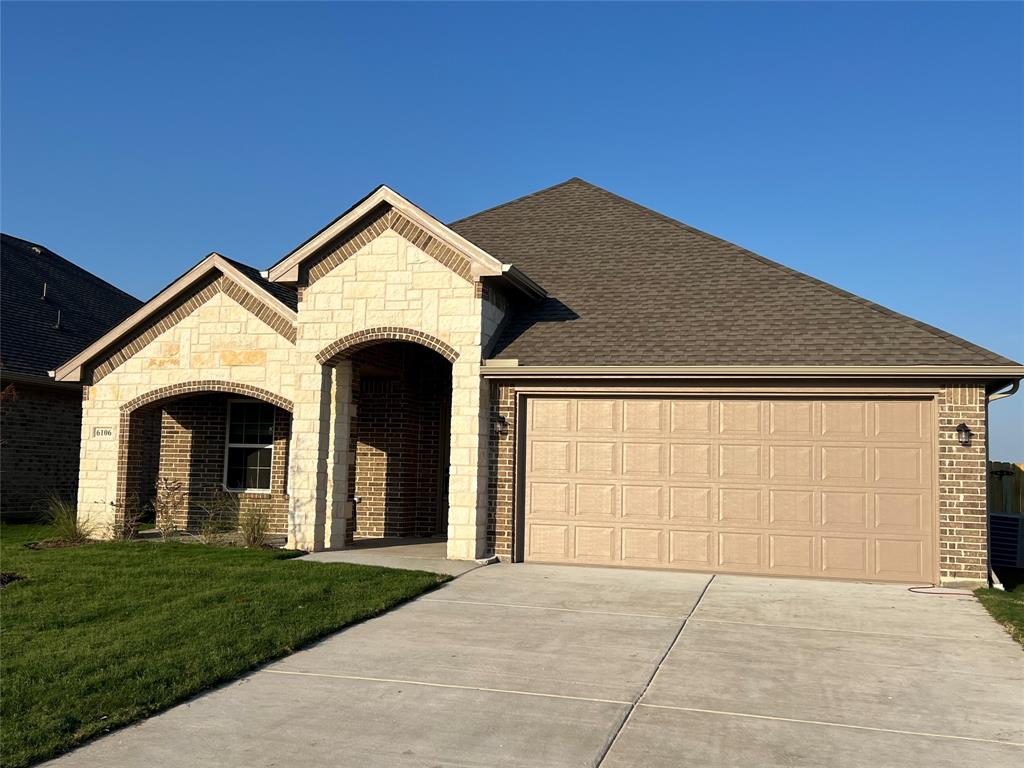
[{"x": 875, "y": 146}]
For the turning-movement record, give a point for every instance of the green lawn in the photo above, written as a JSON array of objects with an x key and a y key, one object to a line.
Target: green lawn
[
  {"x": 100, "y": 635},
  {"x": 1007, "y": 608}
]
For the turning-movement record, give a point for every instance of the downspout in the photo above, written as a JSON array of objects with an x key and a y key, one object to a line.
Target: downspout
[{"x": 993, "y": 580}]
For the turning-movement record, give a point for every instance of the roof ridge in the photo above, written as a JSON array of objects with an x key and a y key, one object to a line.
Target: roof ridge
[
  {"x": 879, "y": 308},
  {"x": 523, "y": 197},
  {"x": 86, "y": 273}
]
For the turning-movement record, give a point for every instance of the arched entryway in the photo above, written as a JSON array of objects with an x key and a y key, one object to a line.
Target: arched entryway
[
  {"x": 207, "y": 439},
  {"x": 399, "y": 433}
]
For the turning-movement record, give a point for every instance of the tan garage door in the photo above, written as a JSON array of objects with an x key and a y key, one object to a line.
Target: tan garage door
[{"x": 827, "y": 488}]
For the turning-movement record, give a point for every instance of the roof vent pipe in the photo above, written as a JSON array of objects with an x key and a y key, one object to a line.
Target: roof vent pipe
[
  {"x": 56, "y": 325},
  {"x": 43, "y": 297}
]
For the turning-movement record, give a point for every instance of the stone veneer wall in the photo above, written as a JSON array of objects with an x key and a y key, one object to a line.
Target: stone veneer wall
[
  {"x": 387, "y": 282},
  {"x": 963, "y": 486},
  {"x": 40, "y": 431},
  {"x": 218, "y": 344}
]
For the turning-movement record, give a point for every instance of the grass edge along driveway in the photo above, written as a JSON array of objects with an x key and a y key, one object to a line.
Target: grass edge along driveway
[
  {"x": 1007, "y": 608},
  {"x": 101, "y": 635}
]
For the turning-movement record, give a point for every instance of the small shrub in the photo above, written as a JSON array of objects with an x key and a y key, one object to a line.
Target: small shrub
[
  {"x": 220, "y": 516},
  {"x": 127, "y": 517},
  {"x": 62, "y": 515},
  {"x": 168, "y": 500},
  {"x": 254, "y": 524}
]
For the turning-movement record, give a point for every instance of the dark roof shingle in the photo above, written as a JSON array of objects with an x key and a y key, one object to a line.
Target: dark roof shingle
[
  {"x": 89, "y": 306},
  {"x": 629, "y": 286}
]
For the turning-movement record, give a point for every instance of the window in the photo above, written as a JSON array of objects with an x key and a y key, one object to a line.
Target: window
[{"x": 250, "y": 446}]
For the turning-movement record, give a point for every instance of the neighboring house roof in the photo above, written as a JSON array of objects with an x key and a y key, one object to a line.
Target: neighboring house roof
[
  {"x": 629, "y": 286},
  {"x": 30, "y": 344}
]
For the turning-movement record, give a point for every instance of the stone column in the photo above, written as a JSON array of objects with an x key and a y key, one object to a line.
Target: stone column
[
  {"x": 339, "y": 505},
  {"x": 310, "y": 450},
  {"x": 467, "y": 489}
]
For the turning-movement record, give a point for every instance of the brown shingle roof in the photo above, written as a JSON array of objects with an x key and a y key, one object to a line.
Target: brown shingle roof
[{"x": 629, "y": 286}]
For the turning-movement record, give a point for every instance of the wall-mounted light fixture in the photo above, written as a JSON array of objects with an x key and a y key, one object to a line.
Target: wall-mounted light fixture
[
  {"x": 500, "y": 425},
  {"x": 963, "y": 434}
]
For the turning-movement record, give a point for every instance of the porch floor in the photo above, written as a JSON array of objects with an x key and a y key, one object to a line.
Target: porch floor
[{"x": 409, "y": 553}]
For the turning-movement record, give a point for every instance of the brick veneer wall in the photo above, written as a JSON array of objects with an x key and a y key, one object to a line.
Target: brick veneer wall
[
  {"x": 190, "y": 434},
  {"x": 401, "y": 394},
  {"x": 963, "y": 489},
  {"x": 40, "y": 433},
  {"x": 501, "y": 455}
]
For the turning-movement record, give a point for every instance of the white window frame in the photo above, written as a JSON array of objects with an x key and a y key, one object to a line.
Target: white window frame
[{"x": 228, "y": 445}]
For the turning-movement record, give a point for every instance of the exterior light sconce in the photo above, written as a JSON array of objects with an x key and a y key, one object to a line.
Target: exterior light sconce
[
  {"x": 963, "y": 434},
  {"x": 500, "y": 425}
]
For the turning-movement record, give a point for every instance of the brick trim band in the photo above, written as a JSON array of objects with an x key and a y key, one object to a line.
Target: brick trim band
[
  {"x": 353, "y": 342},
  {"x": 198, "y": 387}
]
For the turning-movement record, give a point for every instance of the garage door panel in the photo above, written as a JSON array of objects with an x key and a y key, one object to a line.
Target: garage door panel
[
  {"x": 789, "y": 463},
  {"x": 598, "y": 415},
  {"x": 903, "y": 465},
  {"x": 693, "y": 417},
  {"x": 692, "y": 460},
  {"x": 694, "y": 549},
  {"x": 596, "y": 500},
  {"x": 549, "y": 456},
  {"x": 844, "y": 510},
  {"x": 594, "y": 544},
  {"x": 643, "y": 416},
  {"x": 739, "y": 506},
  {"x": 597, "y": 458},
  {"x": 642, "y": 502},
  {"x": 741, "y": 551},
  {"x": 644, "y": 458},
  {"x": 739, "y": 462},
  {"x": 691, "y": 504},
  {"x": 844, "y": 556},
  {"x": 808, "y": 487},
  {"x": 641, "y": 545},
  {"x": 844, "y": 419},
  {"x": 899, "y": 420},
  {"x": 791, "y": 554},
  {"x": 791, "y": 418},
  {"x": 791, "y": 508}
]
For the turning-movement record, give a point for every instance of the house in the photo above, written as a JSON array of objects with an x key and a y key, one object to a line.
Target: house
[
  {"x": 49, "y": 309},
  {"x": 566, "y": 378}
]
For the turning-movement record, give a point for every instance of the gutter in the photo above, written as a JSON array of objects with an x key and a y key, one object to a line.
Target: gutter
[{"x": 510, "y": 369}]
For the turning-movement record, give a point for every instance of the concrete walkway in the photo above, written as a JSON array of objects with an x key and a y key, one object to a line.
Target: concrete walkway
[
  {"x": 411, "y": 554},
  {"x": 555, "y": 666}
]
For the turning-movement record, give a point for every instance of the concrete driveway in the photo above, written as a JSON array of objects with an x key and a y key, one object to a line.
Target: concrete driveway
[{"x": 532, "y": 665}]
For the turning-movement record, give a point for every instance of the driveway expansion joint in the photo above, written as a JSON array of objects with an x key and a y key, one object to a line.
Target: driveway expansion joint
[{"x": 643, "y": 691}]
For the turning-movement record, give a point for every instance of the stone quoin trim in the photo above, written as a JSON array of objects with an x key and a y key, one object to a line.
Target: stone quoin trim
[
  {"x": 349, "y": 345},
  {"x": 178, "y": 312},
  {"x": 374, "y": 224}
]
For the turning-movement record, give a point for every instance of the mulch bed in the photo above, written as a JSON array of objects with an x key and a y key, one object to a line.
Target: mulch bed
[
  {"x": 6, "y": 577},
  {"x": 55, "y": 544}
]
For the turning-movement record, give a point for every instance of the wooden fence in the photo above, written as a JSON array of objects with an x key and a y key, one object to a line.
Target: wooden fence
[{"x": 1005, "y": 488}]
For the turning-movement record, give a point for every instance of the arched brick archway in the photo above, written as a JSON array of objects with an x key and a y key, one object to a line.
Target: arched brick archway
[
  {"x": 353, "y": 342},
  {"x": 143, "y": 432},
  {"x": 196, "y": 387},
  {"x": 398, "y": 382}
]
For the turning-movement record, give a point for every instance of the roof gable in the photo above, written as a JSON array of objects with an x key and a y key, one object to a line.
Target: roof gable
[
  {"x": 629, "y": 286},
  {"x": 214, "y": 273}
]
